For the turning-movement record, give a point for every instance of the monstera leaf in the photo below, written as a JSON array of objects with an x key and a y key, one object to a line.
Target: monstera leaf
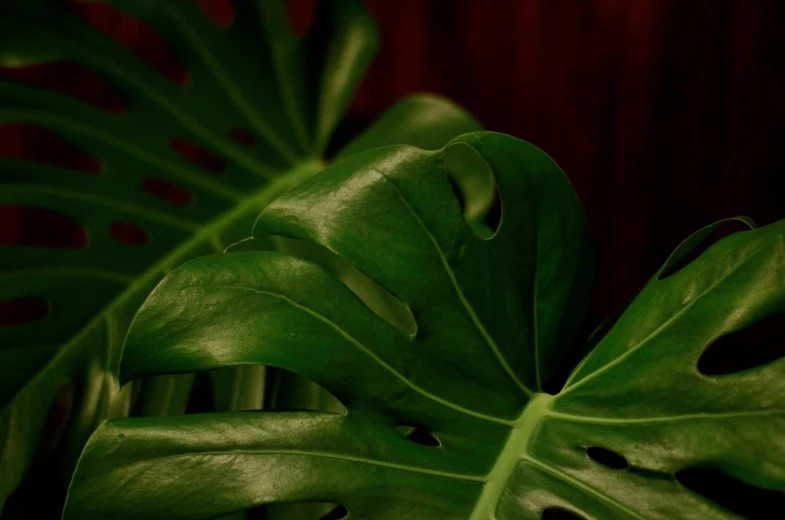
[
  {"x": 285, "y": 92},
  {"x": 493, "y": 316}
]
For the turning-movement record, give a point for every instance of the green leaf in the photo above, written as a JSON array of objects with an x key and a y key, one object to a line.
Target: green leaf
[
  {"x": 492, "y": 319},
  {"x": 288, "y": 93}
]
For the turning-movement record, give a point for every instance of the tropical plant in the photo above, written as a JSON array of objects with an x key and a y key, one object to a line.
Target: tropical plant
[
  {"x": 286, "y": 93},
  {"x": 491, "y": 314}
]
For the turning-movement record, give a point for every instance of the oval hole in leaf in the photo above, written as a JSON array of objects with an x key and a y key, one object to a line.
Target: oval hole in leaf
[
  {"x": 134, "y": 35},
  {"x": 689, "y": 250},
  {"x": 736, "y": 495},
  {"x": 167, "y": 191},
  {"x": 302, "y": 14},
  {"x": 418, "y": 435},
  {"x": 557, "y": 513},
  {"x": 198, "y": 155},
  {"x": 320, "y": 510},
  {"x": 475, "y": 188},
  {"x": 244, "y": 138},
  {"x": 35, "y": 143},
  {"x": 383, "y": 303},
  {"x": 219, "y": 11},
  {"x": 29, "y": 226},
  {"x": 750, "y": 347},
  {"x": 128, "y": 234},
  {"x": 336, "y": 514},
  {"x": 83, "y": 83},
  {"x": 17, "y": 311},
  {"x": 607, "y": 458}
]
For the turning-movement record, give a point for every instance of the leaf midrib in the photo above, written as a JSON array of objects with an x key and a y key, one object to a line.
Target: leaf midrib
[{"x": 517, "y": 444}]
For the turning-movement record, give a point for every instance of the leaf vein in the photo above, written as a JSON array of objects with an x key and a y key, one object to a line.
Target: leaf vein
[
  {"x": 461, "y": 297},
  {"x": 589, "y": 490},
  {"x": 669, "y": 418},
  {"x": 230, "y": 89},
  {"x": 681, "y": 312},
  {"x": 334, "y": 456},
  {"x": 360, "y": 346}
]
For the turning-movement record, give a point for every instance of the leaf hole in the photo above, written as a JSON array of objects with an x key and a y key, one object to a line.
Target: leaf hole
[
  {"x": 475, "y": 189},
  {"x": 607, "y": 458},
  {"x": 168, "y": 191},
  {"x": 134, "y": 35},
  {"x": 198, "y": 155},
  {"x": 320, "y": 510},
  {"x": 244, "y": 138},
  {"x": 301, "y": 14},
  {"x": 18, "y": 311},
  {"x": 697, "y": 244},
  {"x": 128, "y": 234},
  {"x": 557, "y": 513},
  {"x": 418, "y": 435},
  {"x": 336, "y": 514},
  {"x": 84, "y": 83},
  {"x": 493, "y": 219},
  {"x": 29, "y": 226},
  {"x": 378, "y": 299},
  {"x": 750, "y": 347},
  {"x": 221, "y": 12},
  {"x": 752, "y": 502},
  {"x": 34, "y": 143}
]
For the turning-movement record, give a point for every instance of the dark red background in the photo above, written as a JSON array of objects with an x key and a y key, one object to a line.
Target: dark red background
[{"x": 665, "y": 114}]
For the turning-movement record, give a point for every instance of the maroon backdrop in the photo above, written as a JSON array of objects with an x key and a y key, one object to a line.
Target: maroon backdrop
[{"x": 665, "y": 114}]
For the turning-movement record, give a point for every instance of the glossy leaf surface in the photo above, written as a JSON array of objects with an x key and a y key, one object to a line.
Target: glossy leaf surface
[
  {"x": 492, "y": 317},
  {"x": 287, "y": 93}
]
